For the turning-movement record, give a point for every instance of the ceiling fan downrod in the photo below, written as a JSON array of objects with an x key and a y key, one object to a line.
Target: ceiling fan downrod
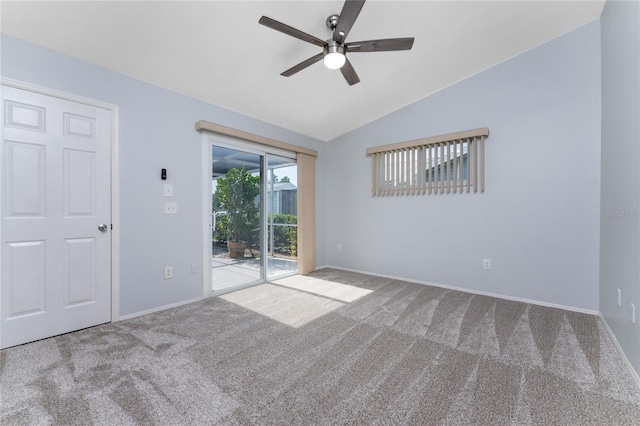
[{"x": 332, "y": 23}]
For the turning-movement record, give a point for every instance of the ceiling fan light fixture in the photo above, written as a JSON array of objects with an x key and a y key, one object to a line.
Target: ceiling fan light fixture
[
  {"x": 334, "y": 56},
  {"x": 335, "y": 49}
]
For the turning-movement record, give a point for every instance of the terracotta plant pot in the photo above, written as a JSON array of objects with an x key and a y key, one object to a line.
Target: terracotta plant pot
[{"x": 236, "y": 249}]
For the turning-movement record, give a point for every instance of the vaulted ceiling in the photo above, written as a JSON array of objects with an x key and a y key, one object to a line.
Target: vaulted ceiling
[{"x": 216, "y": 50}]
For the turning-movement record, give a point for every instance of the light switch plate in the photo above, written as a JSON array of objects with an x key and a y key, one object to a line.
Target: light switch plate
[{"x": 168, "y": 190}]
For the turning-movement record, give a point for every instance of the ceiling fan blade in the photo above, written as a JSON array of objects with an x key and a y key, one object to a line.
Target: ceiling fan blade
[
  {"x": 284, "y": 28},
  {"x": 302, "y": 65},
  {"x": 384, "y": 45},
  {"x": 349, "y": 73},
  {"x": 350, "y": 12}
]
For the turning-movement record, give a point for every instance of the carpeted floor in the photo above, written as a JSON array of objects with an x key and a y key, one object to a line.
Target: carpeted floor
[{"x": 333, "y": 347}]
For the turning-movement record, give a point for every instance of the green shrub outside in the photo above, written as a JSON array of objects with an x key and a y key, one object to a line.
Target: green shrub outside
[
  {"x": 221, "y": 231},
  {"x": 285, "y": 238}
]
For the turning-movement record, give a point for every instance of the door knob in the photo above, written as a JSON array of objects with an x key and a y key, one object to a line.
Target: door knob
[{"x": 103, "y": 227}]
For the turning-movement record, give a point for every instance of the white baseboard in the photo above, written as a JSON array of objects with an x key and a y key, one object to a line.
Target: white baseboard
[
  {"x": 467, "y": 290},
  {"x": 159, "y": 308},
  {"x": 634, "y": 373}
]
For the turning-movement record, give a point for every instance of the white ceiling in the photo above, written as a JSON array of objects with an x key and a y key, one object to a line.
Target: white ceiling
[{"x": 216, "y": 50}]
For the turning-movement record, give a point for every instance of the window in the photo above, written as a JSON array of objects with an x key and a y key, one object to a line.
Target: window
[{"x": 451, "y": 163}]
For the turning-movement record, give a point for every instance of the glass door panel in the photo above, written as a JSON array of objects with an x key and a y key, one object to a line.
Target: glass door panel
[
  {"x": 236, "y": 218},
  {"x": 282, "y": 216}
]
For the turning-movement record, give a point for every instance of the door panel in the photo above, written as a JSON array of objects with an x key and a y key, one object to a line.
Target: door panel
[
  {"x": 282, "y": 211},
  {"x": 236, "y": 212},
  {"x": 24, "y": 179},
  {"x": 30, "y": 117},
  {"x": 79, "y": 183},
  {"x": 26, "y": 284},
  {"x": 80, "y": 271},
  {"x": 56, "y": 264}
]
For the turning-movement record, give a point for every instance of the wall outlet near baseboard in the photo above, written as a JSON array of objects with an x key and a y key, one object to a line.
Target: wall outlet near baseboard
[
  {"x": 486, "y": 263},
  {"x": 339, "y": 247},
  {"x": 168, "y": 272},
  {"x": 194, "y": 268}
]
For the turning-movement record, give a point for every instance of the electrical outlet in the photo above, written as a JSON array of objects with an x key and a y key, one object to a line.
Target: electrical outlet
[
  {"x": 194, "y": 268},
  {"x": 170, "y": 208},
  {"x": 619, "y": 297},
  {"x": 486, "y": 263},
  {"x": 168, "y": 272},
  {"x": 633, "y": 313},
  {"x": 339, "y": 248}
]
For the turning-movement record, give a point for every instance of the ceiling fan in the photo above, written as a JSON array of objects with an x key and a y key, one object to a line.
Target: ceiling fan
[{"x": 335, "y": 49}]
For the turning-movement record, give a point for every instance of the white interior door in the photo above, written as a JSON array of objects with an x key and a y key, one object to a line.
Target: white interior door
[{"x": 56, "y": 266}]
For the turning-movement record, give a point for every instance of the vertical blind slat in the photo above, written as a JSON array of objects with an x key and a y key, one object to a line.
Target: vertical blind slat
[
  {"x": 400, "y": 172},
  {"x": 383, "y": 174},
  {"x": 441, "y": 175},
  {"x": 386, "y": 173},
  {"x": 448, "y": 175},
  {"x": 414, "y": 171},
  {"x": 403, "y": 172},
  {"x": 469, "y": 143},
  {"x": 379, "y": 173},
  {"x": 390, "y": 178},
  {"x": 394, "y": 175},
  {"x": 482, "y": 163},
  {"x": 390, "y": 185},
  {"x": 410, "y": 172},
  {"x": 455, "y": 167},
  {"x": 430, "y": 167},
  {"x": 475, "y": 165},
  {"x": 407, "y": 168},
  {"x": 447, "y": 188},
  {"x": 436, "y": 182},
  {"x": 396, "y": 172},
  {"x": 433, "y": 167},
  {"x": 379, "y": 177},
  {"x": 375, "y": 174},
  {"x": 422, "y": 167}
]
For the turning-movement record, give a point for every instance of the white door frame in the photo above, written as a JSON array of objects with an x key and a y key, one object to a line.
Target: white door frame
[{"x": 115, "y": 177}]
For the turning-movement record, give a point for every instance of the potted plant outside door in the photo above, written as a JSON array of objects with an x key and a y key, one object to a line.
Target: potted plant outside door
[{"x": 236, "y": 193}]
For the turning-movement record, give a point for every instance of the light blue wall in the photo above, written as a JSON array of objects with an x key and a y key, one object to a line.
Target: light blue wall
[
  {"x": 620, "y": 200},
  {"x": 156, "y": 131},
  {"x": 538, "y": 220}
]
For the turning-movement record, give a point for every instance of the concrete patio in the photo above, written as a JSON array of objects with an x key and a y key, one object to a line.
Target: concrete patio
[{"x": 228, "y": 273}]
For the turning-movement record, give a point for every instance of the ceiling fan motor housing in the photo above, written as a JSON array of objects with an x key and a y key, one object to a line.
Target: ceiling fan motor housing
[{"x": 333, "y": 47}]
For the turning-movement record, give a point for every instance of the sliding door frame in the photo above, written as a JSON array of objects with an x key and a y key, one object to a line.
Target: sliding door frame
[{"x": 209, "y": 140}]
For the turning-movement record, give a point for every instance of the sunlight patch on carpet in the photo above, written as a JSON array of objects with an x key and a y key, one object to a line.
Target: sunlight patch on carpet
[
  {"x": 298, "y": 300},
  {"x": 333, "y": 290}
]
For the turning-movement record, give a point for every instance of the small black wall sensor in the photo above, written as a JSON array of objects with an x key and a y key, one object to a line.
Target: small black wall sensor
[{"x": 163, "y": 175}]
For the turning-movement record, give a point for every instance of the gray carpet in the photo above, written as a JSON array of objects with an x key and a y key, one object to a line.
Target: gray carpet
[{"x": 333, "y": 347}]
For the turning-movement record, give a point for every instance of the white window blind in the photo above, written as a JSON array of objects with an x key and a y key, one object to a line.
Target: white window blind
[{"x": 451, "y": 163}]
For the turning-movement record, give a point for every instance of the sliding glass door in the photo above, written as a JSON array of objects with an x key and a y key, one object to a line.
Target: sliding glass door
[{"x": 253, "y": 222}]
